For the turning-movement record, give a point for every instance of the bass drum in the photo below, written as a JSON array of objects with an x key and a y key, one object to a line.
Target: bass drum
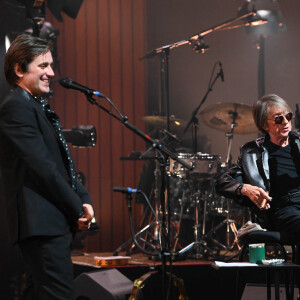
[{"x": 147, "y": 287}]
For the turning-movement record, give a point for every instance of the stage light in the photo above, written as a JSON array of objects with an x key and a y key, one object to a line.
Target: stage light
[
  {"x": 69, "y": 7},
  {"x": 267, "y": 12}
]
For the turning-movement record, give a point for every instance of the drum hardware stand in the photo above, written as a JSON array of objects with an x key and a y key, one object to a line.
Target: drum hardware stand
[
  {"x": 229, "y": 136},
  {"x": 200, "y": 240},
  {"x": 157, "y": 192},
  {"x": 179, "y": 226},
  {"x": 230, "y": 225},
  {"x": 235, "y": 242},
  {"x": 155, "y": 237},
  {"x": 200, "y": 243},
  {"x": 138, "y": 235}
]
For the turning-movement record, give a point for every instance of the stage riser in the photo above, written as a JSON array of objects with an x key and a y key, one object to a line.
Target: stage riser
[{"x": 201, "y": 281}]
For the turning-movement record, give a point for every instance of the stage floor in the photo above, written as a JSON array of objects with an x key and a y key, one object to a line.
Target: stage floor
[{"x": 201, "y": 280}]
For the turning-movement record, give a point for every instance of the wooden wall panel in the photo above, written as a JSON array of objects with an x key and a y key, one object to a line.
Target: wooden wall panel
[{"x": 100, "y": 49}]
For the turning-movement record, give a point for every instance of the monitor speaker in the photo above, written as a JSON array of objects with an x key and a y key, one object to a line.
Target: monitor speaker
[{"x": 107, "y": 284}]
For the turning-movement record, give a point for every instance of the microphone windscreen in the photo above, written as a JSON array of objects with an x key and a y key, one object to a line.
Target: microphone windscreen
[
  {"x": 293, "y": 134},
  {"x": 65, "y": 82}
]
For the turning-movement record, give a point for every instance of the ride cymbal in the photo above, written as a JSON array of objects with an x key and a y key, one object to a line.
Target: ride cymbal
[
  {"x": 161, "y": 122},
  {"x": 221, "y": 115}
]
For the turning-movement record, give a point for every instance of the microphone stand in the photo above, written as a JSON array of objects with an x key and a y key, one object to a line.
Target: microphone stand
[
  {"x": 197, "y": 36},
  {"x": 165, "y": 244},
  {"x": 155, "y": 144},
  {"x": 194, "y": 119}
]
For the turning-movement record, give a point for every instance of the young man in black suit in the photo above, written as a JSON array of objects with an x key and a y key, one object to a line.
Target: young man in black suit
[{"x": 45, "y": 202}]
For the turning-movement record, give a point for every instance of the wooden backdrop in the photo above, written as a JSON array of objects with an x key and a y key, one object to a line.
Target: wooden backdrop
[{"x": 101, "y": 49}]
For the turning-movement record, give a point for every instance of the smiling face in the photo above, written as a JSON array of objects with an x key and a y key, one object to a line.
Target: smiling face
[
  {"x": 278, "y": 132},
  {"x": 36, "y": 80}
]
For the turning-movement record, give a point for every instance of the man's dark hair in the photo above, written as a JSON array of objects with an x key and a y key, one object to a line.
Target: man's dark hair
[{"x": 23, "y": 51}]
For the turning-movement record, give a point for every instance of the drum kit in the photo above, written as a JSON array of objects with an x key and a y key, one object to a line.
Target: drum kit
[{"x": 194, "y": 206}]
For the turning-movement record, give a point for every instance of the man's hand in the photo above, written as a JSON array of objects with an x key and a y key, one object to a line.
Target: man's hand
[
  {"x": 257, "y": 195},
  {"x": 84, "y": 222},
  {"x": 38, "y": 3}
]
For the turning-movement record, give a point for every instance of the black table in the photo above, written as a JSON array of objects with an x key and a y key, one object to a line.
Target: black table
[{"x": 287, "y": 268}]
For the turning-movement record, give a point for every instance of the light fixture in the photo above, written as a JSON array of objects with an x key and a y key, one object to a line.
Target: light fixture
[
  {"x": 268, "y": 12},
  {"x": 69, "y": 7}
]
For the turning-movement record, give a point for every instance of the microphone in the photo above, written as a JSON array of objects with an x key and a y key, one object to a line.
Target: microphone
[
  {"x": 169, "y": 134},
  {"x": 297, "y": 117},
  {"x": 68, "y": 83},
  {"x": 293, "y": 135},
  {"x": 221, "y": 73},
  {"x": 125, "y": 190}
]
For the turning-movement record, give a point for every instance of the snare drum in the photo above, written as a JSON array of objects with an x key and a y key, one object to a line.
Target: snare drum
[{"x": 204, "y": 165}]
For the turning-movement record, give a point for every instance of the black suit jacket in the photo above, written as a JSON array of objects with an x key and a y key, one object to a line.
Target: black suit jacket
[{"x": 37, "y": 185}]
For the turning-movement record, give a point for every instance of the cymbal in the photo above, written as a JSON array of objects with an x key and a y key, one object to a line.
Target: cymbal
[
  {"x": 220, "y": 116},
  {"x": 161, "y": 122}
]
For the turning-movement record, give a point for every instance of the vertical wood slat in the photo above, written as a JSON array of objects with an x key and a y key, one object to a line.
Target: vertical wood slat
[
  {"x": 93, "y": 113},
  {"x": 117, "y": 130},
  {"x": 97, "y": 49},
  {"x": 105, "y": 130},
  {"x": 127, "y": 87}
]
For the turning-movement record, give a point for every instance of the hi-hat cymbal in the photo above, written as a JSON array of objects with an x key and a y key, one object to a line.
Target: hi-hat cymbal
[
  {"x": 220, "y": 116},
  {"x": 161, "y": 122}
]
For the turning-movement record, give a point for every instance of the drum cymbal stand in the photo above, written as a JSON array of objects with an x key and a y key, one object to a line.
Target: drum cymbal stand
[
  {"x": 229, "y": 136},
  {"x": 178, "y": 227},
  {"x": 230, "y": 224}
]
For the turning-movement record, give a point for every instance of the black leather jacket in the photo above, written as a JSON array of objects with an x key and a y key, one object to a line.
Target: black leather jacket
[{"x": 251, "y": 167}]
